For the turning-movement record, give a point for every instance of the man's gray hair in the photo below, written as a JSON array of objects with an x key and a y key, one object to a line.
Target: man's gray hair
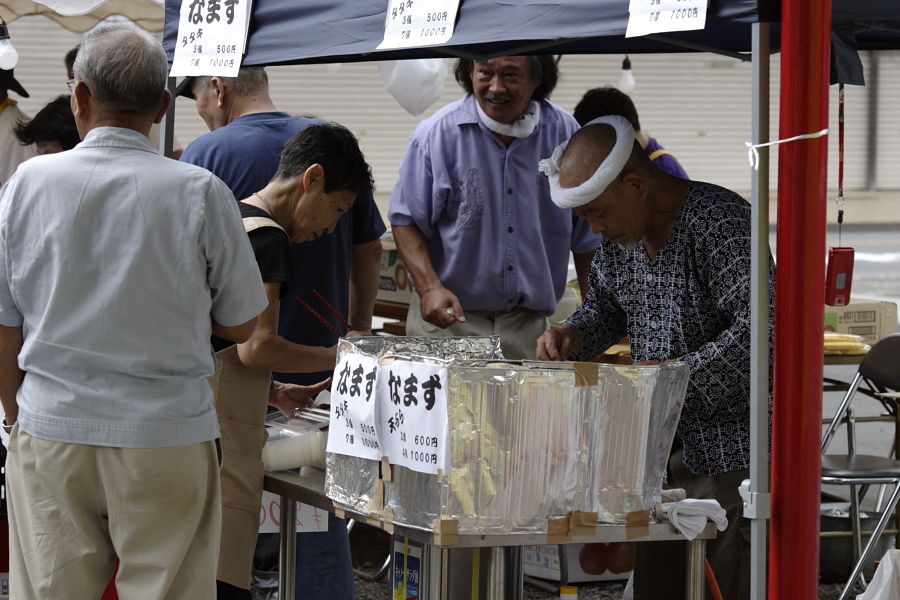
[
  {"x": 249, "y": 80},
  {"x": 123, "y": 67}
]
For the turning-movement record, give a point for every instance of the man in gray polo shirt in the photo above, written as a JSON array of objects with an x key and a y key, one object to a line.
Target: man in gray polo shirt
[{"x": 117, "y": 266}]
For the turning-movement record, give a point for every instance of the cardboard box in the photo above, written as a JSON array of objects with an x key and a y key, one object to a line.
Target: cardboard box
[
  {"x": 395, "y": 284},
  {"x": 871, "y": 319},
  {"x": 584, "y": 562}
]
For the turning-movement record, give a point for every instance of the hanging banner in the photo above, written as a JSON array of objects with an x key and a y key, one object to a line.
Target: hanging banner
[
  {"x": 412, "y": 415},
  {"x": 659, "y": 16},
  {"x": 212, "y": 37},
  {"x": 414, "y": 23},
  {"x": 351, "y": 427}
]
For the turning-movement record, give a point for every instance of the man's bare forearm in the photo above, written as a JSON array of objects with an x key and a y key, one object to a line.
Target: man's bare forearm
[
  {"x": 414, "y": 254},
  {"x": 365, "y": 269},
  {"x": 11, "y": 375}
]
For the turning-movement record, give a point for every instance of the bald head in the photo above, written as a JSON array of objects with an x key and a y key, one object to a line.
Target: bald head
[
  {"x": 587, "y": 149},
  {"x": 249, "y": 81}
]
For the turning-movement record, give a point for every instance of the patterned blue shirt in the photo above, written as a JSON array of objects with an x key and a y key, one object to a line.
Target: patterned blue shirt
[
  {"x": 494, "y": 237},
  {"x": 692, "y": 303}
]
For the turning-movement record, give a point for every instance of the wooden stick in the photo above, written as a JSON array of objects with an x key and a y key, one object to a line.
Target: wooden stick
[
  {"x": 332, "y": 309},
  {"x": 322, "y": 319}
]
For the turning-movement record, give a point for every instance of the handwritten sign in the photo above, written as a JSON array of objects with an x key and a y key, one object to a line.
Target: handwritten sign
[
  {"x": 309, "y": 518},
  {"x": 212, "y": 37},
  {"x": 351, "y": 427},
  {"x": 659, "y": 16},
  {"x": 413, "y": 23},
  {"x": 412, "y": 415}
]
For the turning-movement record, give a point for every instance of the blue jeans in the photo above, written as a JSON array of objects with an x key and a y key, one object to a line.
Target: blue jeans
[{"x": 323, "y": 569}]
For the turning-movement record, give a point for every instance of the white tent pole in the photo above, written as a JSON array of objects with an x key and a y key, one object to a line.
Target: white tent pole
[{"x": 756, "y": 503}]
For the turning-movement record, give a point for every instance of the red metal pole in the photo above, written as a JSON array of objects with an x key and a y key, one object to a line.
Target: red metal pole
[{"x": 799, "y": 301}]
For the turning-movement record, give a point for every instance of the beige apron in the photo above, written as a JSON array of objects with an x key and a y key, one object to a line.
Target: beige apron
[{"x": 240, "y": 395}]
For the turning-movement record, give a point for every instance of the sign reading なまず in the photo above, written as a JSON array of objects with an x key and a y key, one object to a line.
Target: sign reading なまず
[
  {"x": 212, "y": 37},
  {"x": 412, "y": 415},
  {"x": 351, "y": 428}
]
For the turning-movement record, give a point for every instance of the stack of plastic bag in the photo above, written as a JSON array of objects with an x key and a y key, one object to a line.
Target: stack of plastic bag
[{"x": 844, "y": 343}]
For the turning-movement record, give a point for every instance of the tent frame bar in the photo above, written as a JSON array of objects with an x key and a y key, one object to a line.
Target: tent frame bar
[
  {"x": 742, "y": 56},
  {"x": 526, "y": 49},
  {"x": 533, "y": 47}
]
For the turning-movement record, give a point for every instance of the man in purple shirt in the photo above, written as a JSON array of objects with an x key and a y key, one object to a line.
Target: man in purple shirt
[
  {"x": 608, "y": 100},
  {"x": 472, "y": 217}
]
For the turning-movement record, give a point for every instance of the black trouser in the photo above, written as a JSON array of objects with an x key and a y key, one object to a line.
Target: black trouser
[{"x": 659, "y": 569}]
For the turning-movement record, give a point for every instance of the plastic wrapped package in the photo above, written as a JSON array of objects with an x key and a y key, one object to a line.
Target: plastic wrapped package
[
  {"x": 534, "y": 442},
  {"x": 639, "y": 411},
  {"x": 547, "y": 434},
  {"x": 297, "y": 441},
  {"x": 456, "y": 348},
  {"x": 480, "y": 458},
  {"x": 628, "y": 420},
  {"x": 351, "y": 481},
  {"x": 528, "y": 443}
]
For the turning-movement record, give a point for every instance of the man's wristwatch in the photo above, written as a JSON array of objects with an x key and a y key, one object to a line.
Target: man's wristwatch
[{"x": 6, "y": 426}]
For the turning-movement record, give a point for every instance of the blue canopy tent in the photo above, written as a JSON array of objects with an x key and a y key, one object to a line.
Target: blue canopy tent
[
  {"x": 320, "y": 31},
  {"x": 351, "y": 31}
]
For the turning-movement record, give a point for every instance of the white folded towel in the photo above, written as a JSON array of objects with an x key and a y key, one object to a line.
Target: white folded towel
[{"x": 689, "y": 516}]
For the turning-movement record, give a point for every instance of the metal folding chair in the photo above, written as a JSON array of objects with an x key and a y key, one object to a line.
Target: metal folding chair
[{"x": 880, "y": 372}]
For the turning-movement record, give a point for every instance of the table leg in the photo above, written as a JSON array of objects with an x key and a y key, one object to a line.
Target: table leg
[
  {"x": 504, "y": 577},
  {"x": 287, "y": 531},
  {"x": 472, "y": 573},
  {"x": 696, "y": 584}
]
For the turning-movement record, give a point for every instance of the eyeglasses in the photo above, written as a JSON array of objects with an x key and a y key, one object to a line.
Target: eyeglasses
[{"x": 71, "y": 85}]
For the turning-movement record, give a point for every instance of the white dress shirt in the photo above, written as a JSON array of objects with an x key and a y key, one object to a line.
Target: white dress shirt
[{"x": 114, "y": 260}]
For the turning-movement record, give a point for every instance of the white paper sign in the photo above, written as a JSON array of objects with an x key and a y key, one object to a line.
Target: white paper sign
[
  {"x": 412, "y": 415},
  {"x": 659, "y": 16},
  {"x": 412, "y": 23},
  {"x": 309, "y": 519},
  {"x": 351, "y": 428},
  {"x": 212, "y": 37}
]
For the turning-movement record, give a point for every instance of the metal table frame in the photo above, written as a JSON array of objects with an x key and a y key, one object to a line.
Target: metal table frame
[{"x": 309, "y": 490}]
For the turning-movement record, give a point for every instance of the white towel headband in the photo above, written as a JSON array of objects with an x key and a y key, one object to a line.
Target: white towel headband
[{"x": 608, "y": 170}]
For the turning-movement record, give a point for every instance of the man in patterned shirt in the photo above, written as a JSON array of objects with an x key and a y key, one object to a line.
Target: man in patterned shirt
[{"x": 673, "y": 275}]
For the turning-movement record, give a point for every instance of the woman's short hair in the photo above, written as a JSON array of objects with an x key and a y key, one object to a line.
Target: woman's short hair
[
  {"x": 54, "y": 122},
  {"x": 603, "y": 101},
  {"x": 335, "y": 148}
]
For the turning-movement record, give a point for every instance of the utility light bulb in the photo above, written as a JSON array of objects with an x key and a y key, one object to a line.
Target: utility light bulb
[
  {"x": 626, "y": 77},
  {"x": 8, "y": 55}
]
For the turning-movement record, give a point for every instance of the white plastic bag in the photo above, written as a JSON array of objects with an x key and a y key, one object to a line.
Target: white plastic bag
[
  {"x": 885, "y": 583},
  {"x": 628, "y": 594},
  {"x": 415, "y": 84}
]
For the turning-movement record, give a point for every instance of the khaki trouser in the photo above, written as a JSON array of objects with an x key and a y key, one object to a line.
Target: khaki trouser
[
  {"x": 241, "y": 395},
  {"x": 74, "y": 508},
  {"x": 518, "y": 328}
]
